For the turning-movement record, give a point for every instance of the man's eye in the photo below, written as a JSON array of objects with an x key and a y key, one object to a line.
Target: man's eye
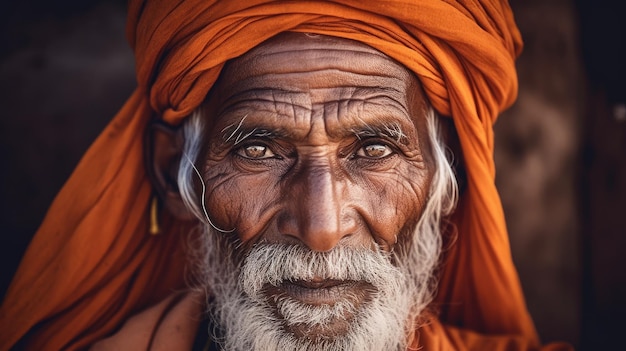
[
  {"x": 256, "y": 152},
  {"x": 374, "y": 151}
]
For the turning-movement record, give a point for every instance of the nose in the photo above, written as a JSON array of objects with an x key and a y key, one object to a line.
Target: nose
[{"x": 316, "y": 213}]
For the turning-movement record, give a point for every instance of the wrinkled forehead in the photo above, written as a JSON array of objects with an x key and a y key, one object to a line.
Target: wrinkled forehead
[{"x": 293, "y": 53}]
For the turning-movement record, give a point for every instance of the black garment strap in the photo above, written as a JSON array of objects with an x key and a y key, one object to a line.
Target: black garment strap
[{"x": 203, "y": 341}]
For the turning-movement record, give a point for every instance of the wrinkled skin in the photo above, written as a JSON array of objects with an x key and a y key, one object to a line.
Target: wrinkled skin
[{"x": 301, "y": 147}]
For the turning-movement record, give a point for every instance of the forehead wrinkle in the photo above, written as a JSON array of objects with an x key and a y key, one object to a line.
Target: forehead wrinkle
[
  {"x": 263, "y": 118},
  {"x": 390, "y": 116},
  {"x": 265, "y": 96},
  {"x": 275, "y": 113},
  {"x": 381, "y": 103},
  {"x": 305, "y": 81},
  {"x": 263, "y": 106},
  {"x": 281, "y": 60},
  {"x": 356, "y": 80}
]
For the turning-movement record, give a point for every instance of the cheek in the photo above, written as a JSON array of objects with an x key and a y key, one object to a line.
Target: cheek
[
  {"x": 395, "y": 200},
  {"x": 240, "y": 201}
]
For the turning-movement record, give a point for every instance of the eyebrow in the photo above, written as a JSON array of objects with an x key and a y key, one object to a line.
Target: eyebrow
[
  {"x": 392, "y": 130},
  {"x": 237, "y": 132}
]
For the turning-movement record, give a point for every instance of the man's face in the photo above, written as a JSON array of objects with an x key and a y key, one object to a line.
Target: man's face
[{"x": 316, "y": 145}]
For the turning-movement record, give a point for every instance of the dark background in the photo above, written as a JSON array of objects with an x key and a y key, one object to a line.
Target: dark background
[{"x": 65, "y": 69}]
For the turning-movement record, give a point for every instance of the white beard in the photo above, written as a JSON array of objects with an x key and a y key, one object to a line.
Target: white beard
[{"x": 249, "y": 320}]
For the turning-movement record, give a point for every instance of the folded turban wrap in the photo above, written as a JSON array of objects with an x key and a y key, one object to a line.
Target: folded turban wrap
[{"x": 92, "y": 263}]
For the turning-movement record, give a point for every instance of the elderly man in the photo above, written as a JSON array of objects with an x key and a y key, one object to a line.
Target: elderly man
[{"x": 290, "y": 156}]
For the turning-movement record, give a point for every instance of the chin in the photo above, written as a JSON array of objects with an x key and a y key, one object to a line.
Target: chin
[{"x": 286, "y": 297}]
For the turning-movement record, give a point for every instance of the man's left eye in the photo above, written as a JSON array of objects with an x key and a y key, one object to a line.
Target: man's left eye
[
  {"x": 256, "y": 151},
  {"x": 374, "y": 151}
]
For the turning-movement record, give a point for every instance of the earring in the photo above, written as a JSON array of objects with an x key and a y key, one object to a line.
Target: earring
[{"x": 154, "y": 215}]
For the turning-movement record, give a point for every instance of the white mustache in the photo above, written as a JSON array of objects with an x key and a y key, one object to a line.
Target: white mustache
[{"x": 273, "y": 264}]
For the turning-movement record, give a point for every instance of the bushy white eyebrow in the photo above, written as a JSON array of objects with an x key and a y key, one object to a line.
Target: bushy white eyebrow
[
  {"x": 239, "y": 133},
  {"x": 388, "y": 130},
  {"x": 234, "y": 128}
]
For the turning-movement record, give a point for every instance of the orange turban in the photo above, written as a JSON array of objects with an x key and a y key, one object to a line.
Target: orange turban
[{"x": 92, "y": 263}]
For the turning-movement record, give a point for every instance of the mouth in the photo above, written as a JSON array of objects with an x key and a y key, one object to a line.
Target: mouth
[{"x": 323, "y": 291}]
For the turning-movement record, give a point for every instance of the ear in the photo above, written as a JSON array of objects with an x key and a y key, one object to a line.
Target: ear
[{"x": 162, "y": 152}]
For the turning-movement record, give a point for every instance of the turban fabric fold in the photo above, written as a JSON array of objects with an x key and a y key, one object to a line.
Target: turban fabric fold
[{"x": 92, "y": 263}]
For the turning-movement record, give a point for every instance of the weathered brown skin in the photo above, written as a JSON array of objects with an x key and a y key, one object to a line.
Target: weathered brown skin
[{"x": 312, "y": 181}]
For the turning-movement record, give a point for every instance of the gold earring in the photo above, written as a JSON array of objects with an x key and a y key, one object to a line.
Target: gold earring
[{"x": 154, "y": 215}]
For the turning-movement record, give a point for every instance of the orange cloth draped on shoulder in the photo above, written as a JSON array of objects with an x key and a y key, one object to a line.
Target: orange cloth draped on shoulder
[{"x": 92, "y": 263}]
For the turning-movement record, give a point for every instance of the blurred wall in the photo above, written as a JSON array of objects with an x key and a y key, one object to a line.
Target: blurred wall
[
  {"x": 65, "y": 69},
  {"x": 603, "y": 174},
  {"x": 537, "y": 147}
]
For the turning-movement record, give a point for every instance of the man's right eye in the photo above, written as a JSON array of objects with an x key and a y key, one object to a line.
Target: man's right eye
[{"x": 255, "y": 152}]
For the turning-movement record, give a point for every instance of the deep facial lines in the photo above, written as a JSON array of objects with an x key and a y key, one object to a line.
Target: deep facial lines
[
  {"x": 324, "y": 57},
  {"x": 377, "y": 116},
  {"x": 319, "y": 117}
]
